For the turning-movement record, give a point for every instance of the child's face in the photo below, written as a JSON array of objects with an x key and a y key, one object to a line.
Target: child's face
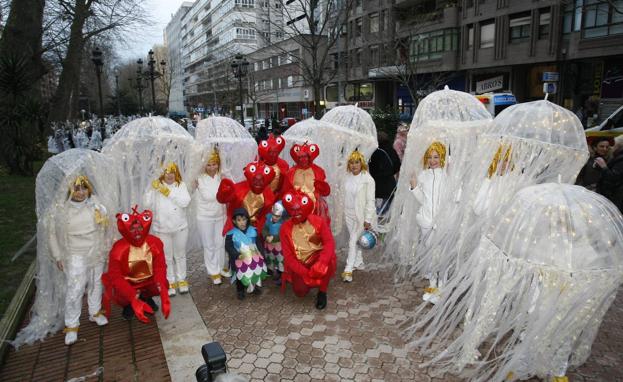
[
  {"x": 276, "y": 218},
  {"x": 241, "y": 222},
  {"x": 169, "y": 178},
  {"x": 354, "y": 166},
  {"x": 434, "y": 161},
  {"x": 80, "y": 193},
  {"x": 212, "y": 168}
]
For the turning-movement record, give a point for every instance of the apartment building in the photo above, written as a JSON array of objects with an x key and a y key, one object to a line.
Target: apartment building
[
  {"x": 173, "y": 44},
  {"x": 478, "y": 46}
]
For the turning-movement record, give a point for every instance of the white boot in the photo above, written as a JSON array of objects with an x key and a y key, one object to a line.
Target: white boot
[
  {"x": 183, "y": 285},
  {"x": 99, "y": 319},
  {"x": 172, "y": 291},
  {"x": 71, "y": 336},
  {"x": 225, "y": 273}
]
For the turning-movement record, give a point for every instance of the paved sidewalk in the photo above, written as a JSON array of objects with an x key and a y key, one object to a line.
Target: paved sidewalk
[{"x": 281, "y": 337}]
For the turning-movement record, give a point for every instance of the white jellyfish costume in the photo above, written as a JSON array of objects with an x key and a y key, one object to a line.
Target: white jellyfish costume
[
  {"x": 141, "y": 149},
  {"x": 336, "y": 142},
  {"x": 52, "y": 195},
  {"x": 535, "y": 291},
  {"x": 530, "y": 143},
  {"x": 236, "y": 148},
  {"x": 96, "y": 140},
  {"x": 449, "y": 121}
]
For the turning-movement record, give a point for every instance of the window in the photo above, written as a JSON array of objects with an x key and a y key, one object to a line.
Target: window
[
  {"x": 519, "y": 27},
  {"x": 374, "y": 56},
  {"x": 602, "y": 18},
  {"x": 430, "y": 46},
  {"x": 358, "y": 26},
  {"x": 245, "y": 33},
  {"x": 382, "y": 22},
  {"x": 274, "y": 61},
  {"x": 470, "y": 36},
  {"x": 357, "y": 57},
  {"x": 544, "y": 17},
  {"x": 469, "y": 4},
  {"x": 331, "y": 93},
  {"x": 358, "y": 5},
  {"x": 374, "y": 22},
  {"x": 487, "y": 34},
  {"x": 245, "y": 3},
  {"x": 290, "y": 81},
  {"x": 277, "y": 5},
  {"x": 359, "y": 92}
]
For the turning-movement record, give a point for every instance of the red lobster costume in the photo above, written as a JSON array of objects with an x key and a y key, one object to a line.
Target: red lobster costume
[
  {"x": 307, "y": 177},
  {"x": 137, "y": 269},
  {"x": 308, "y": 248},
  {"x": 253, "y": 194},
  {"x": 269, "y": 151}
]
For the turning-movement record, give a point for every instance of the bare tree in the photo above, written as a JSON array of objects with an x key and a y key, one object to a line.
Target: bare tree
[
  {"x": 315, "y": 26},
  {"x": 88, "y": 19}
]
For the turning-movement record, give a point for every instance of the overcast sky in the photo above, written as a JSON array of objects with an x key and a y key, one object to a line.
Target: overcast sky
[{"x": 161, "y": 11}]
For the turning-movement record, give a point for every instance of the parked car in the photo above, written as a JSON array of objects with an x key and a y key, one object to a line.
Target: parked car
[
  {"x": 614, "y": 122},
  {"x": 287, "y": 122}
]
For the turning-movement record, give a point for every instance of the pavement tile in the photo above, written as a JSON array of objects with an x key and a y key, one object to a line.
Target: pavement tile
[{"x": 357, "y": 337}]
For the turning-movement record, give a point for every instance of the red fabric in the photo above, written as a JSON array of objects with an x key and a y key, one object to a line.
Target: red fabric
[
  {"x": 304, "y": 277},
  {"x": 123, "y": 292}
]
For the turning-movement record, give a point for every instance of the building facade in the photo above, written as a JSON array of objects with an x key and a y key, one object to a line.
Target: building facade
[
  {"x": 276, "y": 87},
  {"x": 481, "y": 46},
  {"x": 172, "y": 41}
]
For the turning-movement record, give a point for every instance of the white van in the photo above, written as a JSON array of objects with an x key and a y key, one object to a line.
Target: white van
[{"x": 496, "y": 102}]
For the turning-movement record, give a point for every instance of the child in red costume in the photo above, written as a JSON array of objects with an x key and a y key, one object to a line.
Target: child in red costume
[
  {"x": 269, "y": 151},
  {"x": 137, "y": 270},
  {"x": 307, "y": 177},
  {"x": 308, "y": 248},
  {"x": 253, "y": 194}
]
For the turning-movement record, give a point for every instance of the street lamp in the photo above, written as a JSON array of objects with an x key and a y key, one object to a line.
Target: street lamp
[
  {"x": 117, "y": 91},
  {"x": 96, "y": 57},
  {"x": 139, "y": 84},
  {"x": 239, "y": 67},
  {"x": 153, "y": 74}
]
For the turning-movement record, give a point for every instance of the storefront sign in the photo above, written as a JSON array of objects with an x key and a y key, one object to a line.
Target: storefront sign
[
  {"x": 489, "y": 85},
  {"x": 551, "y": 76}
]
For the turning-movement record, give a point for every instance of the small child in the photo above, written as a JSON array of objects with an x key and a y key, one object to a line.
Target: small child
[
  {"x": 246, "y": 261},
  {"x": 272, "y": 243}
]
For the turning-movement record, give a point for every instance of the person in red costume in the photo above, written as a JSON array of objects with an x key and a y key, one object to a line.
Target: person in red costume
[
  {"x": 308, "y": 177},
  {"x": 269, "y": 151},
  {"x": 137, "y": 269},
  {"x": 252, "y": 194},
  {"x": 308, "y": 248}
]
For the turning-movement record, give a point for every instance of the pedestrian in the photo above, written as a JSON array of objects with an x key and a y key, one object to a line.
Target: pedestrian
[
  {"x": 262, "y": 134},
  {"x": 272, "y": 241},
  {"x": 168, "y": 198},
  {"x": 359, "y": 209},
  {"x": 591, "y": 173},
  {"x": 245, "y": 260},
  {"x": 400, "y": 141},
  {"x": 384, "y": 167},
  {"x": 75, "y": 243},
  {"x": 211, "y": 219},
  {"x": 611, "y": 180}
]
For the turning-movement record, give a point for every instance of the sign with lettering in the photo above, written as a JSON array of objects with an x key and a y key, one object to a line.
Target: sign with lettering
[{"x": 489, "y": 85}]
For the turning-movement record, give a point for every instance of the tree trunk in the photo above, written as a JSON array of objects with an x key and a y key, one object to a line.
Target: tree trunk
[
  {"x": 21, "y": 38},
  {"x": 66, "y": 95},
  {"x": 317, "y": 97}
]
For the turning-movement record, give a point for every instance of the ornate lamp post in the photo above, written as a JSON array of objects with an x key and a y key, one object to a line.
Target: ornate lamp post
[
  {"x": 239, "y": 67},
  {"x": 139, "y": 84},
  {"x": 153, "y": 74},
  {"x": 96, "y": 57}
]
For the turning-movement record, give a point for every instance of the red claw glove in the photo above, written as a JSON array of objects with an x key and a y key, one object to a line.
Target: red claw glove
[
  {"x": 318, "y": 270},
  {"x": 322, "y": 187},
  {"x": 310, "y": 281},
  {"x": 225, "y": 191},
  {"x": 140, "y": 308},
  {"x": 165, "y": 304}
]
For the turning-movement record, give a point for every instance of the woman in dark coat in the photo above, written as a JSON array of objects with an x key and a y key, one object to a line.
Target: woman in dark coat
[{"x": 384, "y": 164}]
